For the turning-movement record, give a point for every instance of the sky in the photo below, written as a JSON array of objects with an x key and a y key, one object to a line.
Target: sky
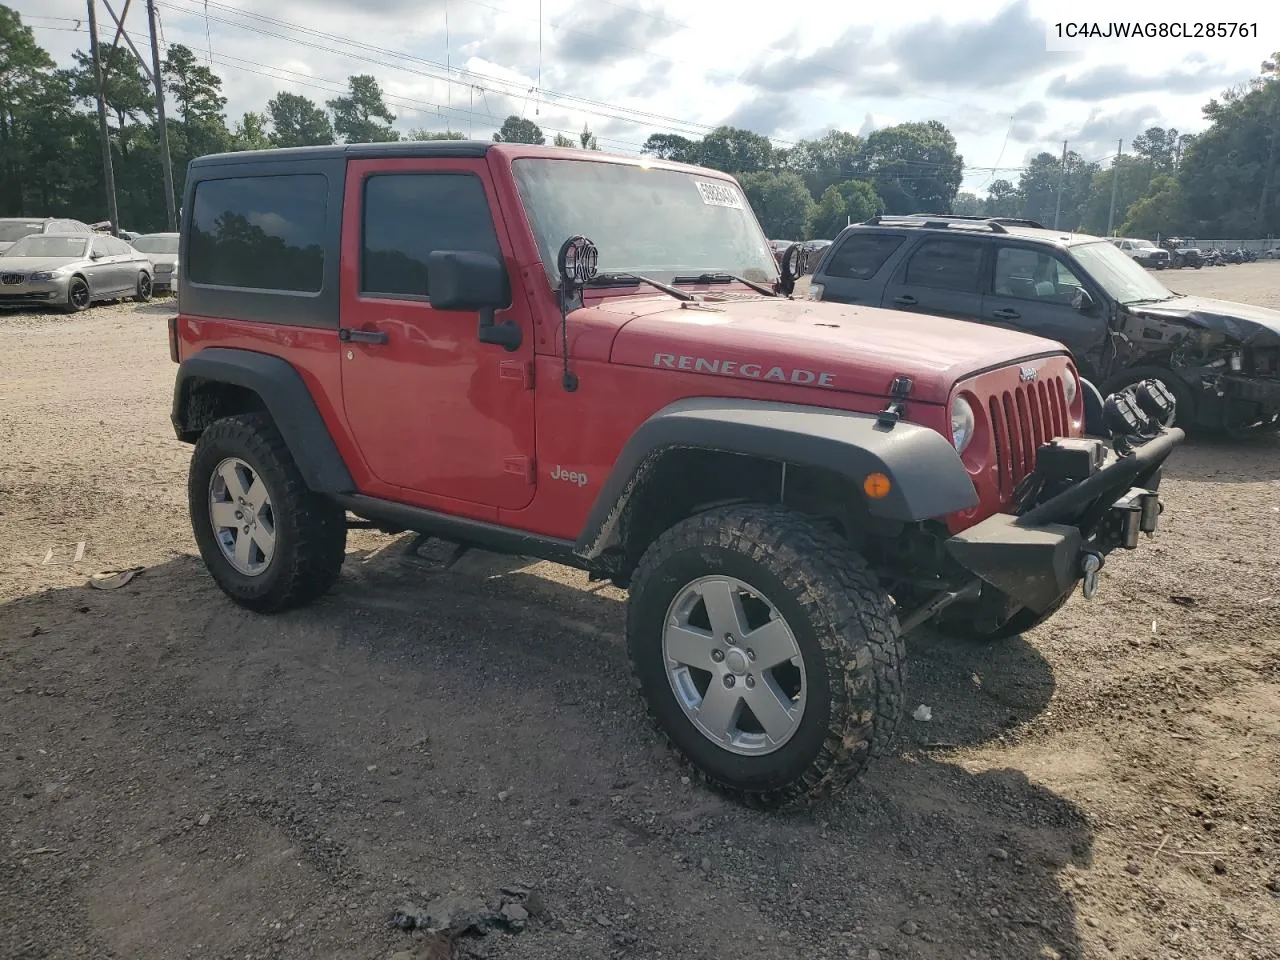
[{"x": 634, "y": 67}]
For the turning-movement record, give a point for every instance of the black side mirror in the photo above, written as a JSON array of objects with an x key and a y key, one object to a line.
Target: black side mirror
[
  {"x": 1082, "y": 301},
  {"x": 470, "y": 280}
]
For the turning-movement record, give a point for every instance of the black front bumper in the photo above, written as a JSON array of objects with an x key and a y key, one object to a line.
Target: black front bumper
[{"x": 1038, "y": 556}]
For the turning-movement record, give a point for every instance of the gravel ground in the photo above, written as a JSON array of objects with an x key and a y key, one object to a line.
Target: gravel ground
[{"x": 181, "y": 779}]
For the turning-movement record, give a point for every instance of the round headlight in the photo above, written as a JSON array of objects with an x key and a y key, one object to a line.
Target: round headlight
[
  {"x": 961, "y": 423},
  {"x": 1070, "y": 386}
]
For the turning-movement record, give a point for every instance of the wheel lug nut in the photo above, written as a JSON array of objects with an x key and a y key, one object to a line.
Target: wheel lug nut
[
  {"x": 729, "y": 639},
  {"x": 717, "y": 655},
  {"x": 751, "y": 654},
  {"x": 751, "y": 681},
  {"x": 246, "y": 529},
  {"x": 239, "y": 514},
  {"x": 729, "y": 681}
]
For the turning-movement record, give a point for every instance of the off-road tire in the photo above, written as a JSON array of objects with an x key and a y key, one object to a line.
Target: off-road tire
[
  {"x": 143, "y": 292},
  {"x": 1022, "y": 621},
  {"x": 71, "y": 306},
  {"x": 1184, "y": 412},
  {"x": 844, "y": 627},
  {"x": 311, "y": 532}
]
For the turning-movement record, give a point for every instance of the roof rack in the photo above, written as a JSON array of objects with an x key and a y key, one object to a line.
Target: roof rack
[{"x": 942, "y": 221}]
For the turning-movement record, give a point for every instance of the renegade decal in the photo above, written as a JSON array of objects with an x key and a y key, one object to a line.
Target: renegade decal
[
  {"x": 749, "y": 371},
  {"x": 569, "y": 476},
  {"x": 718, "y": 194}
]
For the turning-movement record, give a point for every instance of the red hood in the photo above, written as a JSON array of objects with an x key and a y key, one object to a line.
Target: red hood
[{"x": 837, "y": 346}]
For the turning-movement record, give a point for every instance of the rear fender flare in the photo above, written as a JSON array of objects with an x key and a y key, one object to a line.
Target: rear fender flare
[
  {"x": 287, "y": 399},
  {"x": 927, "y": 476}
]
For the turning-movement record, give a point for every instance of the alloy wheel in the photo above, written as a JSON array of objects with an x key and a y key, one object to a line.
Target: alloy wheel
[{"x": 240, "y": 511}]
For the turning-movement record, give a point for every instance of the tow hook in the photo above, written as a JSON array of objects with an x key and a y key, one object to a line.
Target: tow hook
[{"x": 1090, "y": 565}]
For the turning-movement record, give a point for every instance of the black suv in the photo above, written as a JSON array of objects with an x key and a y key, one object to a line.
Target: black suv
[{"x": 1221, "y": 360}]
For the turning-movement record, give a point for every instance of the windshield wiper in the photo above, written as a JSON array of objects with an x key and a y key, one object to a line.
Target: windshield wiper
[
  {"x": 618, "y": 279},
  {"x": 727, "y": 278},
  {"x": 1130, "y": 303}
]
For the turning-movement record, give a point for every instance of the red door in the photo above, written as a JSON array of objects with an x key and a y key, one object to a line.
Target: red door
[{"x": 435, "y": 412}]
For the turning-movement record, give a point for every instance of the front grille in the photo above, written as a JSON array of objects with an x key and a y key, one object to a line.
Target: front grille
[
  {"x": 11, "y": 278},
  {"x": 1022, "y": 420}
]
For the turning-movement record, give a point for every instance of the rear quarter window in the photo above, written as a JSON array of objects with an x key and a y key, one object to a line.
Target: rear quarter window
[
  {"x": 861, "y": 256},
  {"x": 263, "y": 233}
]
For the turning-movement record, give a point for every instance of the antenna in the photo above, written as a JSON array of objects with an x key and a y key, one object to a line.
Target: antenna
[{"x": 536, "y": 108}]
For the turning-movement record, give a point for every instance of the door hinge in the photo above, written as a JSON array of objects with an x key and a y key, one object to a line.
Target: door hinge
[
  {"x": 521, "y": 370},
  {"x": 899, "y": 390},
  {"x": 520, "y": 467}
]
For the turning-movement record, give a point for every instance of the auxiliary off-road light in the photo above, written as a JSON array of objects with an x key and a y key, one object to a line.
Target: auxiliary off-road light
[
  {"x": 962, "y": 423},
  {"x": 1156, "y": 400},
  {"x": 1124, "y": 417}
]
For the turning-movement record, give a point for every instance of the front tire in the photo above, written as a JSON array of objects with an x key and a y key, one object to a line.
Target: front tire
[
  {"x": 766, "y": 652},
  {"x": 78, "y": 296},
  {"x": 145, "y": 289},
  {"x": 269, "y": 542}
]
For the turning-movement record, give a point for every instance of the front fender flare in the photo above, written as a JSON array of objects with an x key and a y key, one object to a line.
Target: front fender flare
[
  {"x": 928, "y": 478},
  {"x": 288, "y": 400}
]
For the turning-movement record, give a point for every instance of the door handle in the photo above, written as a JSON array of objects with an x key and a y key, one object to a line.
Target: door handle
[
  {"x": 347, "y": 335},
  {"x": 905, "y": 301},
  {"x": 1006, "y": 314}
]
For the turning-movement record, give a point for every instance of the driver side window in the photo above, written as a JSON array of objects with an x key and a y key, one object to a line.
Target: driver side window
[{"x": 1025, "y": 274}]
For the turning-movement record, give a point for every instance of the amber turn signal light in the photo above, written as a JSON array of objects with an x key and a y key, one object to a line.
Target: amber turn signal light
[{"x": 876, "y": 486}]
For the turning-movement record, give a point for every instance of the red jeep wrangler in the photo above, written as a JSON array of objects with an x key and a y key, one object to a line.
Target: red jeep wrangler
[{"x": 594, "y": 360}]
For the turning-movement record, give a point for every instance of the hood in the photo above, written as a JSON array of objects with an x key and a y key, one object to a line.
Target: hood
[
  {"x": 31, "y": 264},
  {"x": 5, "y": 245},
  {"x": 168, "y": 259},
  {"x": 1246, "y": 324},
  {"x": 807, "y": 343}
]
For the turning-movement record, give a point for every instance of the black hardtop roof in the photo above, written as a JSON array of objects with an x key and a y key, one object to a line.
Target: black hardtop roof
[
  {"x": 470, "y": 149},
  {"x": 1013, "y": 227}
]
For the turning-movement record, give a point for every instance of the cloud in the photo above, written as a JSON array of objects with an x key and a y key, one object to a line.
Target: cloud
[
  {"x": 980, "y": 54},
  {"x": 1096, "y": 138},
  {"x": 1114, "y": 80},
  {"x": 765, "y": 113},
  {"x": 590, "y": 34}
]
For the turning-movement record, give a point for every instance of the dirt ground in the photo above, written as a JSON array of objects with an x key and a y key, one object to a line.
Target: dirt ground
[{"x": 181, "y": 779}]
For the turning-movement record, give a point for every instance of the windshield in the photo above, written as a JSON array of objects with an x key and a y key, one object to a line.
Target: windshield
[
  {"x": 47, "y": 246},
  {"x": 659, "y": 223},
  {"x": 156, "y": 244},
  {"x": 11, "y": 230},
  {"x": 1118, "y": 274}
]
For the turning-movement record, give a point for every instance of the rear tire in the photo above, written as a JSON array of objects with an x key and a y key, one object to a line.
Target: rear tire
[
  {"x": 296, "y": 539},
  {"x": 840, "y": 689}
]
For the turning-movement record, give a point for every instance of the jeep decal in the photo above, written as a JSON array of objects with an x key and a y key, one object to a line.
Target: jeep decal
[
  {"x": 569, "y": 476},
  {"x": 749, "y": 371}
]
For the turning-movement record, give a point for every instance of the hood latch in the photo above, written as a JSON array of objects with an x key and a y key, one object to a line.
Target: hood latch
[{"x": 900, "y": 389}]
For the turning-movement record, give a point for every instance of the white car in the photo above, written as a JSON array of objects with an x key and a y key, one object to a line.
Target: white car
[{"x": 1144, "y": 252}]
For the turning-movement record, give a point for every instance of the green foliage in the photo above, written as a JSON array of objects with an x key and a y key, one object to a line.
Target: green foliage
[
  {"x": 1161, "y": 211},
  {"x": 562, "y": 141},
  {"x": 422, "y": 135},
  {"x": 356, "y": 115},
  {"x": 1132, "y": 177},
  {"x": 298, "y": 122},
  {"x": 851, "y": 201},
  {"x": 781, "y": 202},
  {"x": 967, "y": 205},
  {"x": 519, "y": 130},
  {"x": 587, "y": 139},
  {"x": 251, "y": 133},
  {"x": 914, "y": 166},
  {"x": 670, "y": 146}
]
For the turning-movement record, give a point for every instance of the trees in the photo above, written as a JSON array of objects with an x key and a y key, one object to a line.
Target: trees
[
  {"x": 298, "y": 122},
  {"x": 519, "y": 130},
  {"x": 1003, "y": 200},
  {"x": 735, "y": 150},
  {"x": 1039, "y": 183},
  {"x": 671, "y": 146},
  {"x": 1132, "y": 177},
  {"x": 587, "y": 139},
  {"x": 251, "y": 133},
  {"x": 840, "y": 204},
  {"x": 435, "y": 135},
  {"x": 562, "y": 141},
  {"x": 1161, "y": 211},
  {"x": 356, "y": 115},
  {"x": 966, "y": 205},
  {"x": 914, "y": 166},
  {"x": 781, "y": 202}
]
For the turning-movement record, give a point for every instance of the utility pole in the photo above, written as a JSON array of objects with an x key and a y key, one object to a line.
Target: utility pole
[
  {"x": 108, "y": 174},
  {"x": 1062, "y": 177},
  {"x": 1115, "y": 178},
  {"x": 166, "y": 161}
]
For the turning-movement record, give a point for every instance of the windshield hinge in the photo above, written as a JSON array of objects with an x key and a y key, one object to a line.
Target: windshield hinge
[{"x": 899, "y": 390}]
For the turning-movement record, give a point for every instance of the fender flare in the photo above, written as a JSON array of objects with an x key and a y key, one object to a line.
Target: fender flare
[
  {"x": 928, "y": 478},
  {"x": 288, "y": 400}
]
